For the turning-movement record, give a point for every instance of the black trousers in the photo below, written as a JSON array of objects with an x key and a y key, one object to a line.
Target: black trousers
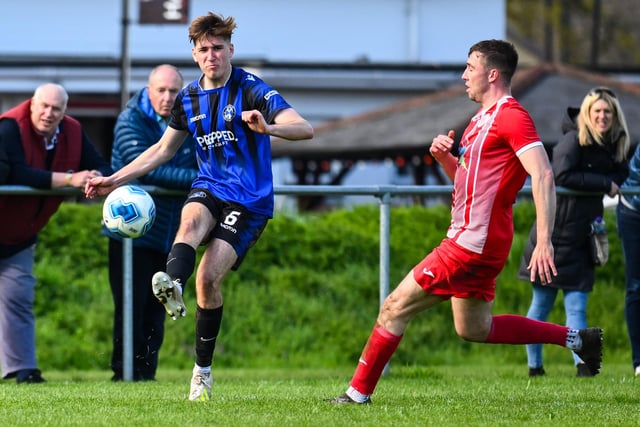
[{"x": 148, "y": 313}]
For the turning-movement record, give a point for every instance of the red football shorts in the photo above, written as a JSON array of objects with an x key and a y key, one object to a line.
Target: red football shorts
[{"x": 453, "y": 271}]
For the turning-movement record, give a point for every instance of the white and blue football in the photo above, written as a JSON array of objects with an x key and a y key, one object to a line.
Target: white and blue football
[{"x": 129, "y": 211}]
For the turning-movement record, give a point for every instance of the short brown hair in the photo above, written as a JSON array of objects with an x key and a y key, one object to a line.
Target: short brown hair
[
  {"x": 498, "y": 54},
  {"x": 211, "y": 25}
]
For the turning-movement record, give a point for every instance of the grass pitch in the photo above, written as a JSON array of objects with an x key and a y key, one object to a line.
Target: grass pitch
[{"x": 439, "y": 396}]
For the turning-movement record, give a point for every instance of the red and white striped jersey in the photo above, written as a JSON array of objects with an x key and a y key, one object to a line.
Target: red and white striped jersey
[{"x": 489, "y": 176}]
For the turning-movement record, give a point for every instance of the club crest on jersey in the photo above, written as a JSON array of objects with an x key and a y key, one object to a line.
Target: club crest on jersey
[
  {"x": 461, "y": 161},
  {"x": 229, "y": 113}
]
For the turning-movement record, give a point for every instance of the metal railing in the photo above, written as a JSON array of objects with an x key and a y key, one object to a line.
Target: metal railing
[{"x": 384, "y": 194}]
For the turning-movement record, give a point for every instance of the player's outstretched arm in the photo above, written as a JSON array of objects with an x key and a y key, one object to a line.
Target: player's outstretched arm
[{"x": 154, "y": 156}]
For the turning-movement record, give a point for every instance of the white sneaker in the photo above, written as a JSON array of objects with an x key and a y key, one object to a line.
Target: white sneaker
[
  {"x": 637, "y": 371},
  {"x": 165, "y": 290},
  {"x": 200, "y": 385}
]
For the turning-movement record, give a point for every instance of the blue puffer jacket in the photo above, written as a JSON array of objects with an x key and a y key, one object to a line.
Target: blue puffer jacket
[
  {"x": 136, "y": 129},
  {"x": 633, "y": 180}
]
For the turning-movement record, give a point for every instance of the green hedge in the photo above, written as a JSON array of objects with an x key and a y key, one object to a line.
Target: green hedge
[{"x": 306, "y": 295}]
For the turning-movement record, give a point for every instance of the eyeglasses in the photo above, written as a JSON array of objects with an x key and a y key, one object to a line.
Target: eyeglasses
[{"x": 602, "y": 90}]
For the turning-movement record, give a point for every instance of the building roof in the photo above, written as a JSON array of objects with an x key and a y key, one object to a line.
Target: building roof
[{"x": 407, "y": 127}]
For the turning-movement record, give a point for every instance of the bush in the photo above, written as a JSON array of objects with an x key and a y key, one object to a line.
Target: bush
[{"x": 306, "y": 295}]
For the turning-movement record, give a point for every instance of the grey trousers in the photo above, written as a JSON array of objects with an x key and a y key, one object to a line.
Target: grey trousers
[{"x": 17, "y": 322}]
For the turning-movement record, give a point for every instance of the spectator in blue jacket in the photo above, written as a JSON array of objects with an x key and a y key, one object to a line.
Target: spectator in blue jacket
[
  {"x": 138, "y": 127},
  {"x": 628, "y": 217}
]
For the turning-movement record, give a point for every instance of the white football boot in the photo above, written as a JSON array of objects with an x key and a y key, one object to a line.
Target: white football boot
[
  {"x": 169, "y": 294},
  {"x": 200, "y": 385}
]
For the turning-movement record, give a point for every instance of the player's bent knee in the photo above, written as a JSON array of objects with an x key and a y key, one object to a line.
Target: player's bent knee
[{"x": 472, "y": 334}]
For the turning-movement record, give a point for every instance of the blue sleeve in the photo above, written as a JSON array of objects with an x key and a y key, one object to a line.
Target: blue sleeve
[
  {"x": 265, "y": 99},
  {"x": 178, "y": 119}
]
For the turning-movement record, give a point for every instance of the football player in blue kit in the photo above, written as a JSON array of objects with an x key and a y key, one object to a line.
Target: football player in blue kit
[{"x": 231, "y": 115}]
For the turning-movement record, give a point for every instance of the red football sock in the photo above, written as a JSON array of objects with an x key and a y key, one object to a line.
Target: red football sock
[
  {"x": 376, "y": 354},
  {"x": 513, "y": 329}
]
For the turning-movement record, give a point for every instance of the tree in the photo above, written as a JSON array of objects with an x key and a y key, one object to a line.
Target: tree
[{"x": 586, "y": 33}]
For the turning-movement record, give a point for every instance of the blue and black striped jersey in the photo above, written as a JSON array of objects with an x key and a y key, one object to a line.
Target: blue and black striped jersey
[{"x": 234, "y": 162}]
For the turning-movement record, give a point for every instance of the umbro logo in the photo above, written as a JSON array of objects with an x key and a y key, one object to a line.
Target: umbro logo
[{"x": 428, "y": 273}]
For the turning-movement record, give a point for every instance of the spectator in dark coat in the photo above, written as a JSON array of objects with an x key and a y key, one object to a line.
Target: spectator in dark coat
[
  {"x": 138, "y": 127},
  {"x": 590, "y": 157}
]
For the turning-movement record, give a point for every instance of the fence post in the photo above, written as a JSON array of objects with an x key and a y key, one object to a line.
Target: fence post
[
  {"x": 385, "y": 232},
  {"x": 127, "y": 310}
]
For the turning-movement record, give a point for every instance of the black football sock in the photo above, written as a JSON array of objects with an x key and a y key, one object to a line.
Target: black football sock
[
  {"x": 207, "y": 329},
  {"x": 181, "y": 262}
]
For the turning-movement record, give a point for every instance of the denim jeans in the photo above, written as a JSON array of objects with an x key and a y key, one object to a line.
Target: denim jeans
[
  {"x": 629, "y": 232},
  {"x": 575, "y": 307}
]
